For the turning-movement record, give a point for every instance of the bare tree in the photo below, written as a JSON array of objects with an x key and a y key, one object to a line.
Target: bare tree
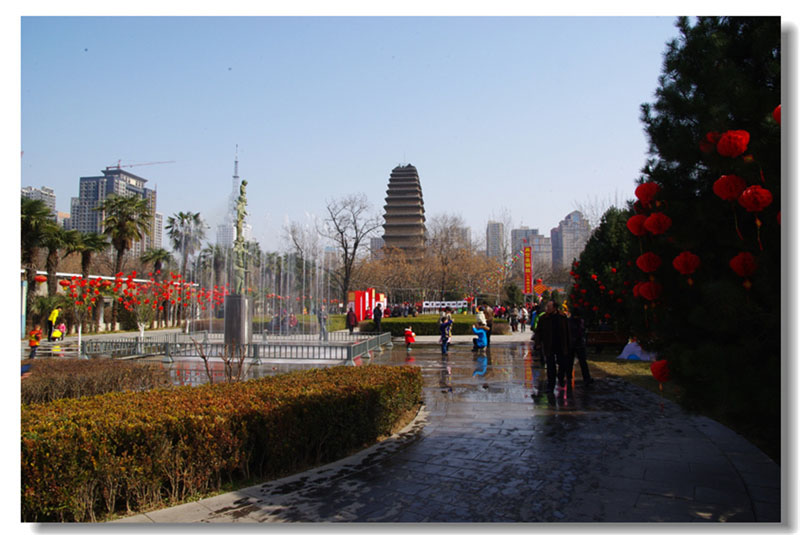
[
  {"x": 349, "y": 223},
  {"x": 446, "y": 245},
  {"x": 593, "y": 208}
]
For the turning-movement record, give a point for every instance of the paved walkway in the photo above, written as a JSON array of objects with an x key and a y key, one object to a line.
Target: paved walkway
[{"x": 490, "y": 446}]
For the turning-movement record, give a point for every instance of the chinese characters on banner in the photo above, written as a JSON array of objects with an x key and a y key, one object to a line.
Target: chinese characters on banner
[{"x": 528, "y": 272}]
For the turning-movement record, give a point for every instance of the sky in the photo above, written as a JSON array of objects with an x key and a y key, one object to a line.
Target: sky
[{"x": 524, "y": 118}]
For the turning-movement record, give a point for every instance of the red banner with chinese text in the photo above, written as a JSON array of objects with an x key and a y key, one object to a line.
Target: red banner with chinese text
[{"x": 528, "y": 271}]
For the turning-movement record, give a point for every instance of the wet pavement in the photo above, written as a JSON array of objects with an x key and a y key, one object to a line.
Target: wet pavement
[{"x": 490, "y": 445}]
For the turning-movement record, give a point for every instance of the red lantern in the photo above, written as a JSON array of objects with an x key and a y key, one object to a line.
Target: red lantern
[
  {"x": 729, "y": 187},
  {"x": 755, "y": 198},
  {"x": 776, "y": 114},
  {"x": 645, "y": 192},
  {"x": 743, "y": 264},
  {"x": 650, "y": 290},
  {"x": 733, "y": 143},
  {"x": 64, "y": 283},
  {"x": 709, "y": 142},
  {"x": 648, "y": 262},
  {"x": 657, "y": 223},
  {"x": 636, "y": 289},
  {"x": 660, "y": 371},
  {"x": 40, "y": 278},
  {"x": 636, "y": 225},
  {"x": 686, "y": 263}
]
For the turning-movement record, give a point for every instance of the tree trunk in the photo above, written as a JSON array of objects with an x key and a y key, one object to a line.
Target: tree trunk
[
  {"x": 51, "y": 266},
  {"x": 30, "y": 273}
]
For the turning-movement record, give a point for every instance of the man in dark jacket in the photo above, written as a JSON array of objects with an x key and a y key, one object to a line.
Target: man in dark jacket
[
  {"x": 552, "y": 337},
  {"x": 377, "y": 316}
]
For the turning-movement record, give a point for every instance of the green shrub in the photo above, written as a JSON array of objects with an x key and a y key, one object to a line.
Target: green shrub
[
  {"x": 428, "y": 324},
  {"x": 53, "y": 379},
  {"x": 87, "y": 458}
]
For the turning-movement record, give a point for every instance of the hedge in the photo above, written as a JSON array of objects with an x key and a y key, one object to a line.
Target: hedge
[
  {"x": 305, "y": 323},
  {"x": 84, "y": 459},
  {"x": 53, "y": 379},
  {"x": 428, "y": 324}
]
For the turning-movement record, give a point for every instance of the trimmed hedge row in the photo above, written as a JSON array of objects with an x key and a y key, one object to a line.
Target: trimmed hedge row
[
  {"x": 53, "y": 379},
  {"x": 306, "y": 323},
  {"x": 428, "y": 324},
  {"x": 84, "y": 459}
]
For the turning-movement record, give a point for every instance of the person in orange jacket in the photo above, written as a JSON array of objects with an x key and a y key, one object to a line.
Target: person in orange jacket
[{"x": 34, "y": 337}]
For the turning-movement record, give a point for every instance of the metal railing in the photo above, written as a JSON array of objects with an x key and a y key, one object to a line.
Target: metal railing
[{"x": 341, "y": 348}]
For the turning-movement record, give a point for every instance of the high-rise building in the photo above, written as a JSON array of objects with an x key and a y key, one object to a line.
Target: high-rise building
[
  {"x": 115, "y": 181},
  {"x": 226, "y": 231},
  {"x": 541, "y": 247},
  {"x": 45, "y": 194},
  {"x": 494, "y": 240},
  {"x": 404, "y": 212},
  {"x": 569, "y": 239},
  {"x": 375, "y": 247}
]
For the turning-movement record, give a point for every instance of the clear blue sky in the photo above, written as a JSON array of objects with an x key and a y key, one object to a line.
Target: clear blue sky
[{"x": 530, "y": 115}]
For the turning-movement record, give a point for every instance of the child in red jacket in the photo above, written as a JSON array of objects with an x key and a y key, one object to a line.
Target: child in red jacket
[{"x": 410, "y": 338}]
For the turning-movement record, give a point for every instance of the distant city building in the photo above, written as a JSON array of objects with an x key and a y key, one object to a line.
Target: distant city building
[
  {"x": 541, "y": 247},
  {"x": 569, "y": 239},
  {"x": 62, "y": 218},
  {"x": 404, "y": 212},
  {"x": 494, "y": 240},
  {"x": 114, "y": 181},
  {"x": 463, "y": 237},
  {"x": 226, "y": 231},
  {"x": 375, "y": 246},
  {"x": 45, "y": 194}
]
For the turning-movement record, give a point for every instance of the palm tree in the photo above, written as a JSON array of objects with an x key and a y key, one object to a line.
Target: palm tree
[
  {"x": 158, "y": 257},
  {"x": 186, "y": 231},
  {"x": 34, "y": 216},
  {"x": 55, "y": 239},
  {"x": 127, "y": 219},
  {"x": 213, "y": 257},
  {"x": 87, "y": 244}
]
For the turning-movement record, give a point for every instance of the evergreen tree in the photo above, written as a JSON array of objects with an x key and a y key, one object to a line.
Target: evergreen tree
[{"x": 720, "y": 332}]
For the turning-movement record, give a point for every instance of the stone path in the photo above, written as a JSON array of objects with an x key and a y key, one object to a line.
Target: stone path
[{"x": 491, "y": 446}]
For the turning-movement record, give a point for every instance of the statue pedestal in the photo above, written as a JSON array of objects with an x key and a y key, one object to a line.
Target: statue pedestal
[{"x": 238, "y": 320}]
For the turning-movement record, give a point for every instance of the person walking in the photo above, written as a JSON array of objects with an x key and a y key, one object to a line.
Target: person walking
[
  {"x": 34, "y": 338},
  {"x": 523, "y": 318},
  {"x": 410, "y": 337},
  {"x": 489, "y": 324},
  {"x": 377, "y": 316},
  {"x": 351, "y": 320},
  {"x": 513, "y": 317},
  {"x": 445, "y": 330},
  {"x": 322, "y": 319},
  {"x": 51, "y": 322},
  {"x": 577, "y": 346},
  {"x": 552, "y": 337}
]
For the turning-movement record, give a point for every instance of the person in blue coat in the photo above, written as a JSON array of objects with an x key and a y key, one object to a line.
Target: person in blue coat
[{"x": 479, "y": 343}]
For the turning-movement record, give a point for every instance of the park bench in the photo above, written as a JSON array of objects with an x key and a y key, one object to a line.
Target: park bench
[{"x": 600, "y": 339}]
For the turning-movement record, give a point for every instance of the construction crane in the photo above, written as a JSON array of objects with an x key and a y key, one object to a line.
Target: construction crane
[{"x": 118, "y": 166}]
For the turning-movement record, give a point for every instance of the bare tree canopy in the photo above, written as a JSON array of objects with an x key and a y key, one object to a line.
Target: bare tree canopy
[{"x": 349, "y": 223}]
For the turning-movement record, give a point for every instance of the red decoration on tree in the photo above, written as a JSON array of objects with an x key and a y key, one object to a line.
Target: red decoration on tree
[
  {"x": 733, "y": 143},
  {"x": 648, "y": 262},
  {"x": 755, "y": 198},
  {"x": 729, "y": 187},
  {"x": 645, "y": 192},
  {"x": 657, "y": 223},
  {"x": 650, "y": 290},
  {"x": 686, "y": 263},
  {"x": 660, "y": 371},
  {"x": 776, "y": 114},
  {"x": 709, "y": 142},
  {"x": 40, "y": 278},
  {"x": 743, "y": 264},
  {"x": 636, "y": 225}
]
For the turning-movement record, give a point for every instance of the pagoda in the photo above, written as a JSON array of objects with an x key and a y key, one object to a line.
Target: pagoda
[{"x": 404, "y": 212}]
